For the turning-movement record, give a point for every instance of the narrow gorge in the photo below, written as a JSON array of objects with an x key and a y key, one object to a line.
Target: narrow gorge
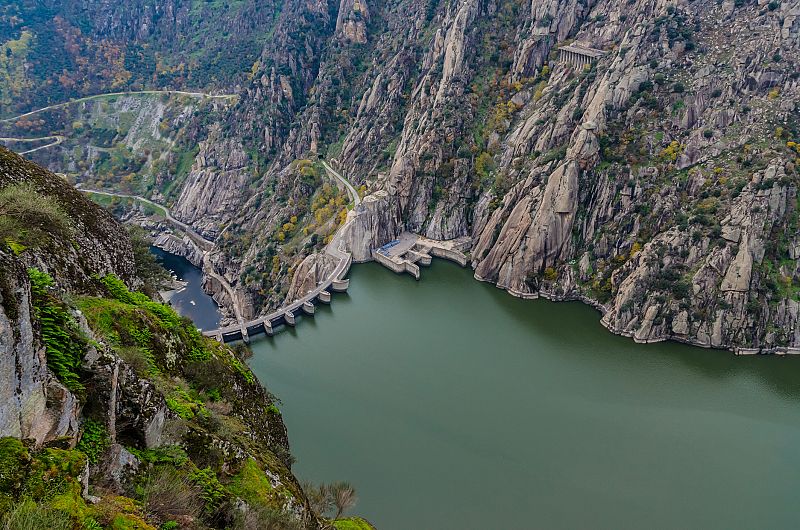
[{"x": 639, "y": 157}]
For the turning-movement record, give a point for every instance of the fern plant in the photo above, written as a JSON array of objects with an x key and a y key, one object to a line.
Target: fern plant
[{"x": 64, "y": 345}]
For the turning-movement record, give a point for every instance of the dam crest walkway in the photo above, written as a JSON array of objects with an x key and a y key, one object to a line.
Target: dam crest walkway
[{"x": 336, "y": 281}]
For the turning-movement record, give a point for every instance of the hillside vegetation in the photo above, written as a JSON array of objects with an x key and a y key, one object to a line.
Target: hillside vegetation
[{"x": 117, "y": 413}]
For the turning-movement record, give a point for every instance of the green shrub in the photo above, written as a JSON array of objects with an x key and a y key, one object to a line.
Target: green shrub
[
  {"x": 166, "y": 316},
  {"x": 211, "y": 490},
  {"x": 117, "y": 289},
  {"x": 173, "y": 455},
  {"x": 184, "y": 404},
  {"x": 252, "y": 485},
  {"x": 29, "y": 478},
  {"x": 214, "y": 394},
  {"x": 14, "y": 246},
  {"x": 242, "y": 370},
  {"x": 352, "y": 523},
  {"x": 553, "y": 154},
  {"x": 147, "y": 334},
  {"x": 94, "y": 440}
]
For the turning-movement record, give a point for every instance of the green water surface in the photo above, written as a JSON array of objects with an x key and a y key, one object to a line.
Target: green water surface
[{"x": 449, "y": 404}]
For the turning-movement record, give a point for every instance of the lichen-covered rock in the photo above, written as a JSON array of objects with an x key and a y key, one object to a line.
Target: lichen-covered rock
[{"x": 32, "y": 403}]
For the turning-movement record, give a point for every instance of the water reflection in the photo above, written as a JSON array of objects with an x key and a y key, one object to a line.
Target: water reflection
[
  {"x": 450, "y": 404},
  {"x": 190, "y": 301}
]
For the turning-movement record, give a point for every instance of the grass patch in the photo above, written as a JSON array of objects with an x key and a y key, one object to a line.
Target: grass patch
[
  {"x": 352, "y": 523},
  {"x": 30, "y": 219},
  {"x": 252, "y": 485}
]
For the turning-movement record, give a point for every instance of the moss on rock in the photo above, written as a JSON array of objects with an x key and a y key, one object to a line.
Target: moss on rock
[{"x": 352, "y": 523}]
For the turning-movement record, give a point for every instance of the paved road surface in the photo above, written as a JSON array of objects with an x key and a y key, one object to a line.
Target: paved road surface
[
  {"x": 205, "y": 245},
  {"x": 111, "y": 94},
  {"x": 350, "y": 189},
  {"x": 57, "y": 139}
]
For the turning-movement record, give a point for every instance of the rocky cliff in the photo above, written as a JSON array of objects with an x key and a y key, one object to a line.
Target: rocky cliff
[
  {"x": 138, "y": 420},
  {"x": 640, "y": 156}
]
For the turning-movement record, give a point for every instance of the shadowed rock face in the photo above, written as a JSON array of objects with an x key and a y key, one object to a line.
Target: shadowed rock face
[
  {"x": 650, "y": 183},
  {"x": 669, "y": 145}
]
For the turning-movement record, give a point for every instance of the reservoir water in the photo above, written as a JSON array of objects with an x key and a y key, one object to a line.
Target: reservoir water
[
  {"x": 449, "y": 404},
  {"x": 190, "y": 301}
]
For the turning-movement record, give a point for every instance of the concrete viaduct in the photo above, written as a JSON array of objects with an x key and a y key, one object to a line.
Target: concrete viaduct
[
  {"x": 578, "y": 55},
  {"x": 288, "y": 314},
  {"x": 335, "y": 282}
]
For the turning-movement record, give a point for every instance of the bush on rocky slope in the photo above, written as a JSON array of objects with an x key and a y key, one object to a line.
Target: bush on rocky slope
[{"x": 111, "y": 401}]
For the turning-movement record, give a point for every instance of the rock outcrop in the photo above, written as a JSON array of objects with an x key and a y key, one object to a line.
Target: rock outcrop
[
  {"x": 33, "y": 404},
  {"x": 120, "y": 384},
  {"x": 633, "y": 175},
  {"x": 215, "y": 187},
  {"x": 377, "y": 222},
  {"x": 183, "y": 247}
]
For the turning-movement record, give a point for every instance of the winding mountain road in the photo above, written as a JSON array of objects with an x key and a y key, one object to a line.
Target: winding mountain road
[
  {"x": 196, "y": 237},
  {"x": 57, "y": 139},
  {"x": 334, "y": 248},
  {"x": 112, "y": 94},
  {"x": 349, "y": 187}
]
